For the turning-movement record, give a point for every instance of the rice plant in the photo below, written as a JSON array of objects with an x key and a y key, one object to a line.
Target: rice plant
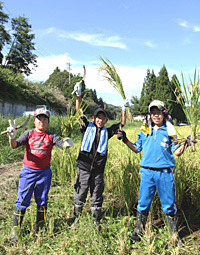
[
  {"x": 71, "y": 120},
  {"x": 111, "y": 75},
  {"x": 187, "y": 96},
  {"x": 120, "y": 197}
]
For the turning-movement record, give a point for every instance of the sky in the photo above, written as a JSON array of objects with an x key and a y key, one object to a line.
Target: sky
[{"x": 135, "y": 35}]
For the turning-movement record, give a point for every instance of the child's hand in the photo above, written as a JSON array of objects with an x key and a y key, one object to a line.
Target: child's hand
[
  {"x": 77, "y": 89},
  {"x": 12, "y": 129},
  {"x": 125, "y": 104},
  {"x": 67, "y": 142},
  {"x": 121, "y": 135}
]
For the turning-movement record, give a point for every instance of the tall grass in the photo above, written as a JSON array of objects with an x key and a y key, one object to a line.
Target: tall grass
[
  {"x": 188, "y": 95},
  {"x": 122, "y": 177}
]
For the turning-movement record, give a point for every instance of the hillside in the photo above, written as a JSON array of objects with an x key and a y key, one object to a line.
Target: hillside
[{"x": 14, "y": 88}]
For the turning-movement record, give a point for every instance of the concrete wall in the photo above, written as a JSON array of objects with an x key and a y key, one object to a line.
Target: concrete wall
[{"x": 14, "y": 109}]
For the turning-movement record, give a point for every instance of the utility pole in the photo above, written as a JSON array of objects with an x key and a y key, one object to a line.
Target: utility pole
[{"x": 69, "y": 69}]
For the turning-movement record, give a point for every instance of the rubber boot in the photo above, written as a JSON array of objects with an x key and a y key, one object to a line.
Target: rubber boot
[
  {"x": 96, "y": 213},
  {"x": 41, "y": 215},
  {"x": 140, "y": 226},
  {"x": 172, "y": 221},
  {"x": 77, "y": 212},
  {"x": 17, "y": 221}
]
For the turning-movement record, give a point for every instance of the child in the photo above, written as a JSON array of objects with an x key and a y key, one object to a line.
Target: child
[
  {"x": 92, "y": 158},
  {"x": 156, "y": 141},
  {"x": 36, "y": 173}
]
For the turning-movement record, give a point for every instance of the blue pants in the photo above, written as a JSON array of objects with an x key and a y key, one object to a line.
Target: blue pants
[
  {"x": 163, "y": 181},
  {"x": 33, "y": 180}
]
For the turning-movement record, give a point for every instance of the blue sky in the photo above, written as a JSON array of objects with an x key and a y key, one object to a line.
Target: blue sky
[{"x": 135, "y": 35}]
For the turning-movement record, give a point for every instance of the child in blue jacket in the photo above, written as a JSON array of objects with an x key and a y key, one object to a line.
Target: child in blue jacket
[{"x": 156, "y": 141}]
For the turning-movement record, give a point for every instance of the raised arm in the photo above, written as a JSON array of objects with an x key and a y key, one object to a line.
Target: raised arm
[
  {"x": 77, "y": 89},
  {"x": 78, "y": 102},
  {"x": 123, "y": 118},
  {"x": 124, "y": 105},
  {"x": 84, "y": 74},
  {"x": 121, "y": 135}
]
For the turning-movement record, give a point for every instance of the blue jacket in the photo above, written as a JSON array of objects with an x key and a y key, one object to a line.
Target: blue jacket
[{"x": 157, "y": 148}]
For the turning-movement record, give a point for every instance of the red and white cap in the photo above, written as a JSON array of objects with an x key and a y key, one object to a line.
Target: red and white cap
[{"x": 41, "y": 111}]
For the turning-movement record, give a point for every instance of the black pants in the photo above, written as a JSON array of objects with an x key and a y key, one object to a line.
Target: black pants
[{"x": 86, "y": 180}]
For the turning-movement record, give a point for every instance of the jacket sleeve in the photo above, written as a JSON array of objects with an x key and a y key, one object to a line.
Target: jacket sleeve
[{"x": 112, "y": 130}]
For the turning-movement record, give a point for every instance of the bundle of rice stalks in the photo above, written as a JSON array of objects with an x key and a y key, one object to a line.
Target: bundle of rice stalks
[
  {"x": 72, "y": 119},
  {"x": 188, "y": 97},
  {"x": 187, "y": 141},
  {"x": 111, "y": 75}
]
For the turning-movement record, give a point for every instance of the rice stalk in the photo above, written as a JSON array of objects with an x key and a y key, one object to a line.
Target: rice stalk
[
  {"x": 68, "y": 125},
  {"x": 111, "y": 75},
  {"x": 72, "y": 119},
  {"x": 187, "y": 96}
]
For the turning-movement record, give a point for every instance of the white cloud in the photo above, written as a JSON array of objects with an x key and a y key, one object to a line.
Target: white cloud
[
  {"x": 46, "y": 66},
  {"x": 196, "y": 28},
  {"x": 96, "y": 39},
  {"x": 183, "y": 23},
  {"x": 132, "y": 77},
  {"x": 150, "y": 44},
  {"x": 188, "y": 25}
]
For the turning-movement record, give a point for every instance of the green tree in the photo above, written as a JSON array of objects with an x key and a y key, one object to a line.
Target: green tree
[
  {"x": 163, "y": 89},
  {"x": 135, "y": 109},
  {"x": 21, "y": 55},
  {"x": 59, "y": 79},
  {"x": 177, "y": 111},
  {"x": 148, "y": 92},
  {"x": 94, "y": 96},
  {"x": 4, "y": 35}
]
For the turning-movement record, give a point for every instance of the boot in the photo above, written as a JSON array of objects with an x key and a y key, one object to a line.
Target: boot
[
  {"x": 140, "y": 226},
  {"x": 77, "y": 212},
  {"x": 41, "y": 214},
  {"x": 19, "y": 215},
  {"x": 96, "y": 213},
  {"x": 172, "y": 220}
]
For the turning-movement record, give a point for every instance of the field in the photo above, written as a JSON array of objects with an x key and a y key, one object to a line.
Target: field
[{"x": 122, "y": 179}]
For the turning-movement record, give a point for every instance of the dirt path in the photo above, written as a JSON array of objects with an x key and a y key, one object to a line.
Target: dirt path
[
  {"x": 9, "y": 173},
  {"x": 9, "y": 176}
]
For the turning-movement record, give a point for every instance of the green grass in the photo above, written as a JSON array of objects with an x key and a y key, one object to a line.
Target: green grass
[{"x": 120, "y": 200}]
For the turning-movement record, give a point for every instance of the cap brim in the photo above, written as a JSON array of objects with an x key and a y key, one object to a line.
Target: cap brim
[{"x": 42, "y": 114}]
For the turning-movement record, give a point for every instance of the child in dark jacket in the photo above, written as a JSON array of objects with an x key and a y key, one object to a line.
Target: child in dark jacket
[{"x": 92, "y": 158}]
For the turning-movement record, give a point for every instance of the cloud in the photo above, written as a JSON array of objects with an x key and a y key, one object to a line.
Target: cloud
[
  {"x": 132, "y": 77},
  {"x": 150, "y": 44},
  {"x": 183, "y": 23},
  {"x": 96, "y": 39},
  {"x": 188, "y": 25},
  {"x": 46, "y": 66},
  {"x": 196, "y": 28}
]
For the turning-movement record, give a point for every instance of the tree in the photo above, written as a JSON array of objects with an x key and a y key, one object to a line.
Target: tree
[
  {"x": 148, "y": 92},
  {"x": 177, "y": 111},
  {"x": 135, "y": 109},
  {"x": 59, "y": 79},
  {"x": 4, "y": 35},
  {"x": 21, "y": 54},
  {"x": 163, "y": 89}
]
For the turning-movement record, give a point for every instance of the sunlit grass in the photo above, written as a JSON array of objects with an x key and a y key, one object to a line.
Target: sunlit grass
[{"x": 122, "y": 178}]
